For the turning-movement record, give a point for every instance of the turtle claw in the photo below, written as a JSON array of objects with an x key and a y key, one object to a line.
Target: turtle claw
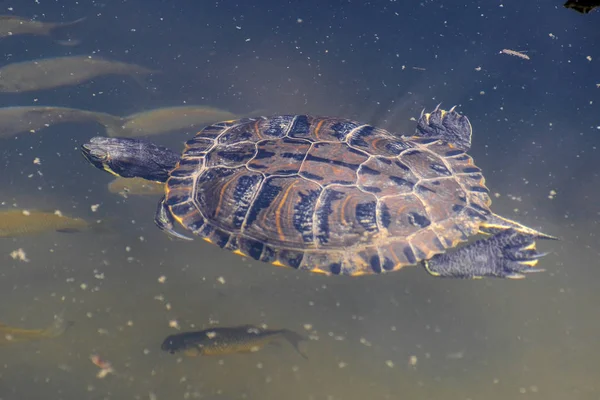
[
  {"x": 448, "y": 126},
  {"x": 508, "y": 254},
  {"x": 164, "y": 220}
]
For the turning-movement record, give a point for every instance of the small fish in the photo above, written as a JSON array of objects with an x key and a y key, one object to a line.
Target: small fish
[
  {"x": 136, "y": 186},
  {"x": 228, "y": 340},
  {"x": 9, "y": 334},
  {"x": 15, "y": 222},
  {"x": 15, "y": 120},
  {"x": 48, "y": 73},
  {"x": 170, "y": 119},
  {"x": 12, "y": 25},
  {"x": 582, "y": 6}
]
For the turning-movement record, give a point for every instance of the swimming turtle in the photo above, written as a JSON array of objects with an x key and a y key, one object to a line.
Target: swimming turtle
[{"x": 331, "y": 195}]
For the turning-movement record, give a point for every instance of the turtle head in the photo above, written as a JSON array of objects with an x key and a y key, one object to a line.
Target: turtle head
[{"x": 130, "y": 158}]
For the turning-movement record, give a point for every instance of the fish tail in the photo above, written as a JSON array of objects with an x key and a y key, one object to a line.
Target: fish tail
[
  {"x": 58, "y": 25},
  {"x": 112, "y": 123},
  {"x": 58, "y": 327},
  {"x": 140, "y": 75},
  {"x": 294, "y": 339},
  {"x": 68, "y": 41}
]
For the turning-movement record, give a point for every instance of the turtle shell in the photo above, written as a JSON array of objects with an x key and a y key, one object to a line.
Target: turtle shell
[{"x": 326, "y": 194}]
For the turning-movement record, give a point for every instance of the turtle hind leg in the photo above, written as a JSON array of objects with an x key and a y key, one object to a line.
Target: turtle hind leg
[
  {"x": 164, "y": 220},
  {"x": 507, "y": 254},
  {"x": 495, "y": 224},
  {"x": 448, "y": 126}
]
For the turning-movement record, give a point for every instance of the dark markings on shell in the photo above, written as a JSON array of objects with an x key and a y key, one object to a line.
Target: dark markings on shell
[
  {"x": 220, "y": 237},
  {"x": 410, "y": 255},
  {"x": 268, "y": 253},
  {"x": 325, "y": 210},
  {"x": 369, "y": 171},
  {"x": 333, "y": 163},
  {"x": 440, "y": 169},
  {"x": 453, "y": 152},
  {"x": 421, "y": 188},
  {"x": 244, "y": 191},
  {"x": 231, "y": 155},
  {"x": 479, "y": 189},
  {"x": 300, "y": 127},
  {"x": 293, "y": 258},
  {"x": 375, "y": 263},
  {"x": 472, "y": 213},
  {"x": 402, "y": 165},
  {"x": 335, "y": 268},
  {"x": 385, "y": 218},
  {"x": 251, "y": 247},
  {"x": 357, "y": 139},
  {"x": 371, "y": 189},
  {"x": 277, "y": 126},
  {"x": 457, "y": 208},
  {"x": 263, "y": 200},
  {"x": 402, "y": 182},
  {"x": 419, "y": 220},
  {"x": 341, "y": 129},
  {"x": 482, "y": 210},
  {"x": 469, "y": 170},
  {"x": 366, "y": 215},
  {"x": 303, "y": 214}
]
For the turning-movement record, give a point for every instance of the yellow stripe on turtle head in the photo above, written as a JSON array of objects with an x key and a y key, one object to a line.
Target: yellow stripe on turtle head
[
  {"x": 109, "y": 170},
  {"x": 432, "y": 273}
]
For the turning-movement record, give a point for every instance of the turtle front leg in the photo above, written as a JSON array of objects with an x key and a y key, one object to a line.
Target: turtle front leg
[
  {"x": 507, "y": 254},
  {"x": 164, "y": 220}
]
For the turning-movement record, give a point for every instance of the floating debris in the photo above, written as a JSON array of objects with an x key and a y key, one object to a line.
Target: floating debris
[
  {"x": 20, "y": 255},
  {"x": 105, "y": 366},
  {"x": 515, "y": 53},
  {"x": 412, "y": 361}
]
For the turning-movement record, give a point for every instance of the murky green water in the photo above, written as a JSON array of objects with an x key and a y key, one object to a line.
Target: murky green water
[{"x": 402, "y": 335}]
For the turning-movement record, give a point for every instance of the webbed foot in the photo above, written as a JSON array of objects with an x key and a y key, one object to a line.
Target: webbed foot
[
  {"x": 449, "y": 126},
  {"x": 164, "y": 220},
  {"x": 507, "y": 254}
]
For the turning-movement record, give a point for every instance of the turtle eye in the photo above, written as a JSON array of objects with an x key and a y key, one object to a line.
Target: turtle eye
[{"x": 99, "y": 155}]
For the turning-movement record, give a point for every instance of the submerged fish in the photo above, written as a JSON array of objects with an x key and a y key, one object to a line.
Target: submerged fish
[
  {"x": 48, "y": 73},
  {"x": 9, "y": 334},
  {"x": 220, "y": 341},
  {"x": 582, "y": 6},
  {"x": 15, "y": 120},
  {"x": 136, "y": 186},
  {"x": 12, "y": 25},
  {"x": 170, "y": 119},
  {"x": 16, "y": 222}
]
